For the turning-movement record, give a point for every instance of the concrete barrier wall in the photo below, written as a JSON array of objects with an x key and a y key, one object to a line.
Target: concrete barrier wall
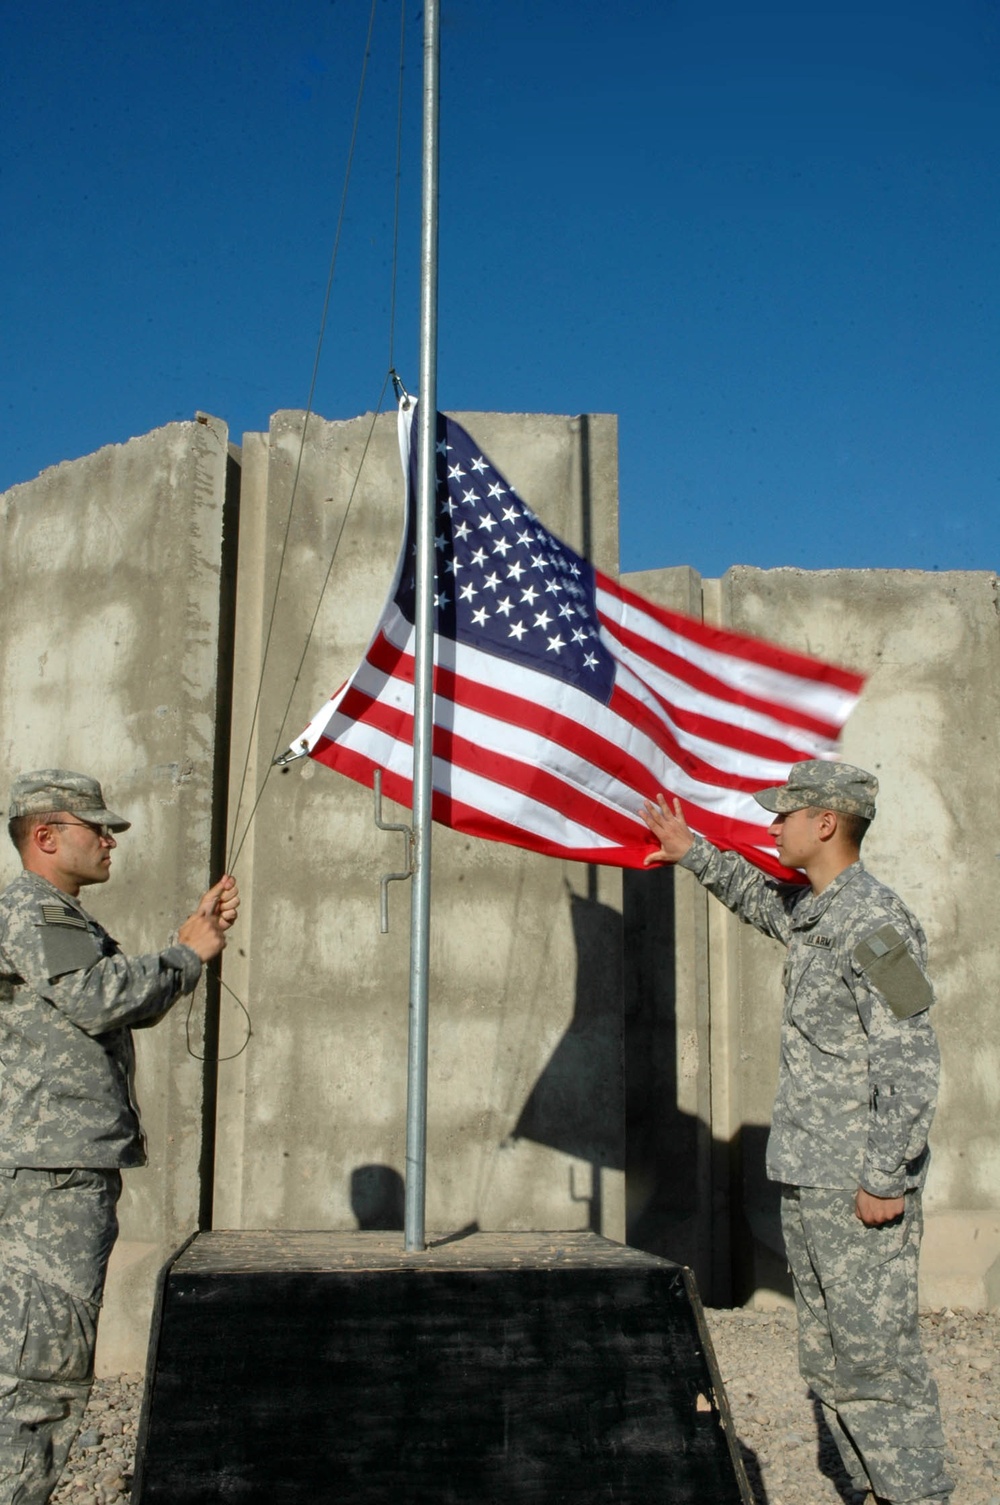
[{"x": 142, "y": 639}]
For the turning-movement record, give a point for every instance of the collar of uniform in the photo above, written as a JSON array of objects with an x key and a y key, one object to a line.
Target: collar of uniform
[
  {"x": 813, "y": 907},
  {"x": 47, "y": 890}
]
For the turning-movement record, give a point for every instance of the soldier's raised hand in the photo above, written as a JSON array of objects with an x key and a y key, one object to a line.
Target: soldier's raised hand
[{"x": 670, "y": 829}]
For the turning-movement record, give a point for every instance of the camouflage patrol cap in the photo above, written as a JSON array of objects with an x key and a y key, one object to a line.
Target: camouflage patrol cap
[
  {"x": 52, "y": 789},
  {"x": 818, "y": 785}
]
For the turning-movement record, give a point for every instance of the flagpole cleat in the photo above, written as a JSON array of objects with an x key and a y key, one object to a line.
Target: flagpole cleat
[{"x": 408, "y": 856}]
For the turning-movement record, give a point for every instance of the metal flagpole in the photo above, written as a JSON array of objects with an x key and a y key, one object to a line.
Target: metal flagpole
[{"x": 420, "y": 898}]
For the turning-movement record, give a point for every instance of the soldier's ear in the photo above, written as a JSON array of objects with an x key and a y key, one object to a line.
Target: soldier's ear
[{"x": 42, "y": 837}]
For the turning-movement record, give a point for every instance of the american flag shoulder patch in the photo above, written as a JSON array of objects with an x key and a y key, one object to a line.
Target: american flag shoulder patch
[{"x": 58, "y": 914}]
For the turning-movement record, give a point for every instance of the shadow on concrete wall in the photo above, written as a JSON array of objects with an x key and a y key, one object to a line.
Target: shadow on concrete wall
[
  {"x": 574, "y": 1105},
  {"x": 378, "y": 1197},
  {"x": 692, "y": 1197}
]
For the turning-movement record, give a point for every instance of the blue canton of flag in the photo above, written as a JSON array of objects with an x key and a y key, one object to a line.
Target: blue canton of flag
[{"x": 503, "y": 583}]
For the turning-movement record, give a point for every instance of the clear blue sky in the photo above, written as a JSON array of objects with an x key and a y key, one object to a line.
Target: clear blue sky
[{"x": 767, "y": 237}]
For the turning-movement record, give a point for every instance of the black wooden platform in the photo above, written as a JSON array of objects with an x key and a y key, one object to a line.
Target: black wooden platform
[{"x": 492, "y": 1369}]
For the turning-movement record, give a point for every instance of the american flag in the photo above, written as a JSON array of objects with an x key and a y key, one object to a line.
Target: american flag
[{"x": 562, "y": 700}]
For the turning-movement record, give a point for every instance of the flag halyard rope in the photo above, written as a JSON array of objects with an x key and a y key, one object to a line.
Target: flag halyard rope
[{"x": 236, "y": 843}]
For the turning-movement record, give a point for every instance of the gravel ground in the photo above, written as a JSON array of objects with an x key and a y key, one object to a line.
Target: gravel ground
[
  {"x": 791, "y": 1460},
  {"x": 787, "y": 1461},
  {"x": 99, "y": 1471}
]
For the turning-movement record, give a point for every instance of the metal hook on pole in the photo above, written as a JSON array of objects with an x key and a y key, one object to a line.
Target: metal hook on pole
[
  {"x": 282, "y": 760},
  {"x": 387, "y": 878},
  {"x": 402, "y": 396}
]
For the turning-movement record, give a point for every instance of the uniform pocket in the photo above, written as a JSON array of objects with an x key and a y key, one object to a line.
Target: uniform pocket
[
  {"x": 73, "y": 1177},
  {"x": 77, "y": 1228},
  {"x": 60, "y": 1226},
  {"x": 45, "y": 1333},
  {"x": 842, "y": 1248}
]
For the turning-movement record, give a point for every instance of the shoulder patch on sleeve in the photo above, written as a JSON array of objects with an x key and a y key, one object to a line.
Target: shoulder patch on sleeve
[
  {"x": 67, "y": 943},
  {"x": 885, "y": 960}
]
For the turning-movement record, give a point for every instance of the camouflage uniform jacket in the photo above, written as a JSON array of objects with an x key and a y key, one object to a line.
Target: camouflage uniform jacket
[
  {"x": 67, "y": 999},
  {"x": 858, "y": 1073}
]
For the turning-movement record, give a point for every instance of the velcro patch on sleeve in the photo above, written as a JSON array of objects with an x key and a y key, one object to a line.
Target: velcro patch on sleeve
[
  {"x": 67, "y": 943},
  {"x": 886, "y": 962}
]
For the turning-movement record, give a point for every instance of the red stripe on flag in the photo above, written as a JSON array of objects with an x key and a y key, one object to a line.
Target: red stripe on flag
[
  {"x": 710, "y": 685},
  {"x": 634, "y": 712},
  {"x": 470, "y": 821},
  {"x": 738, "y": 645}
]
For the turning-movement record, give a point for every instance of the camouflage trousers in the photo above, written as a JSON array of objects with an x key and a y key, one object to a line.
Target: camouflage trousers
[
  {"x": 57, "y": 1229},
  {"x": 859, "y": 1342}
]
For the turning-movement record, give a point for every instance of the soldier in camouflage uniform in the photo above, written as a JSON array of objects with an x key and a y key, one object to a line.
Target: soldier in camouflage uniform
[
  {"x": 857, "y": 1087},
  {"x": 68, "y": 1118}
]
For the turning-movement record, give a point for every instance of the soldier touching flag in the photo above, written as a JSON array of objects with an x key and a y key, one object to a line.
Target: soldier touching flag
[{"x": 857, "y": 1087}]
